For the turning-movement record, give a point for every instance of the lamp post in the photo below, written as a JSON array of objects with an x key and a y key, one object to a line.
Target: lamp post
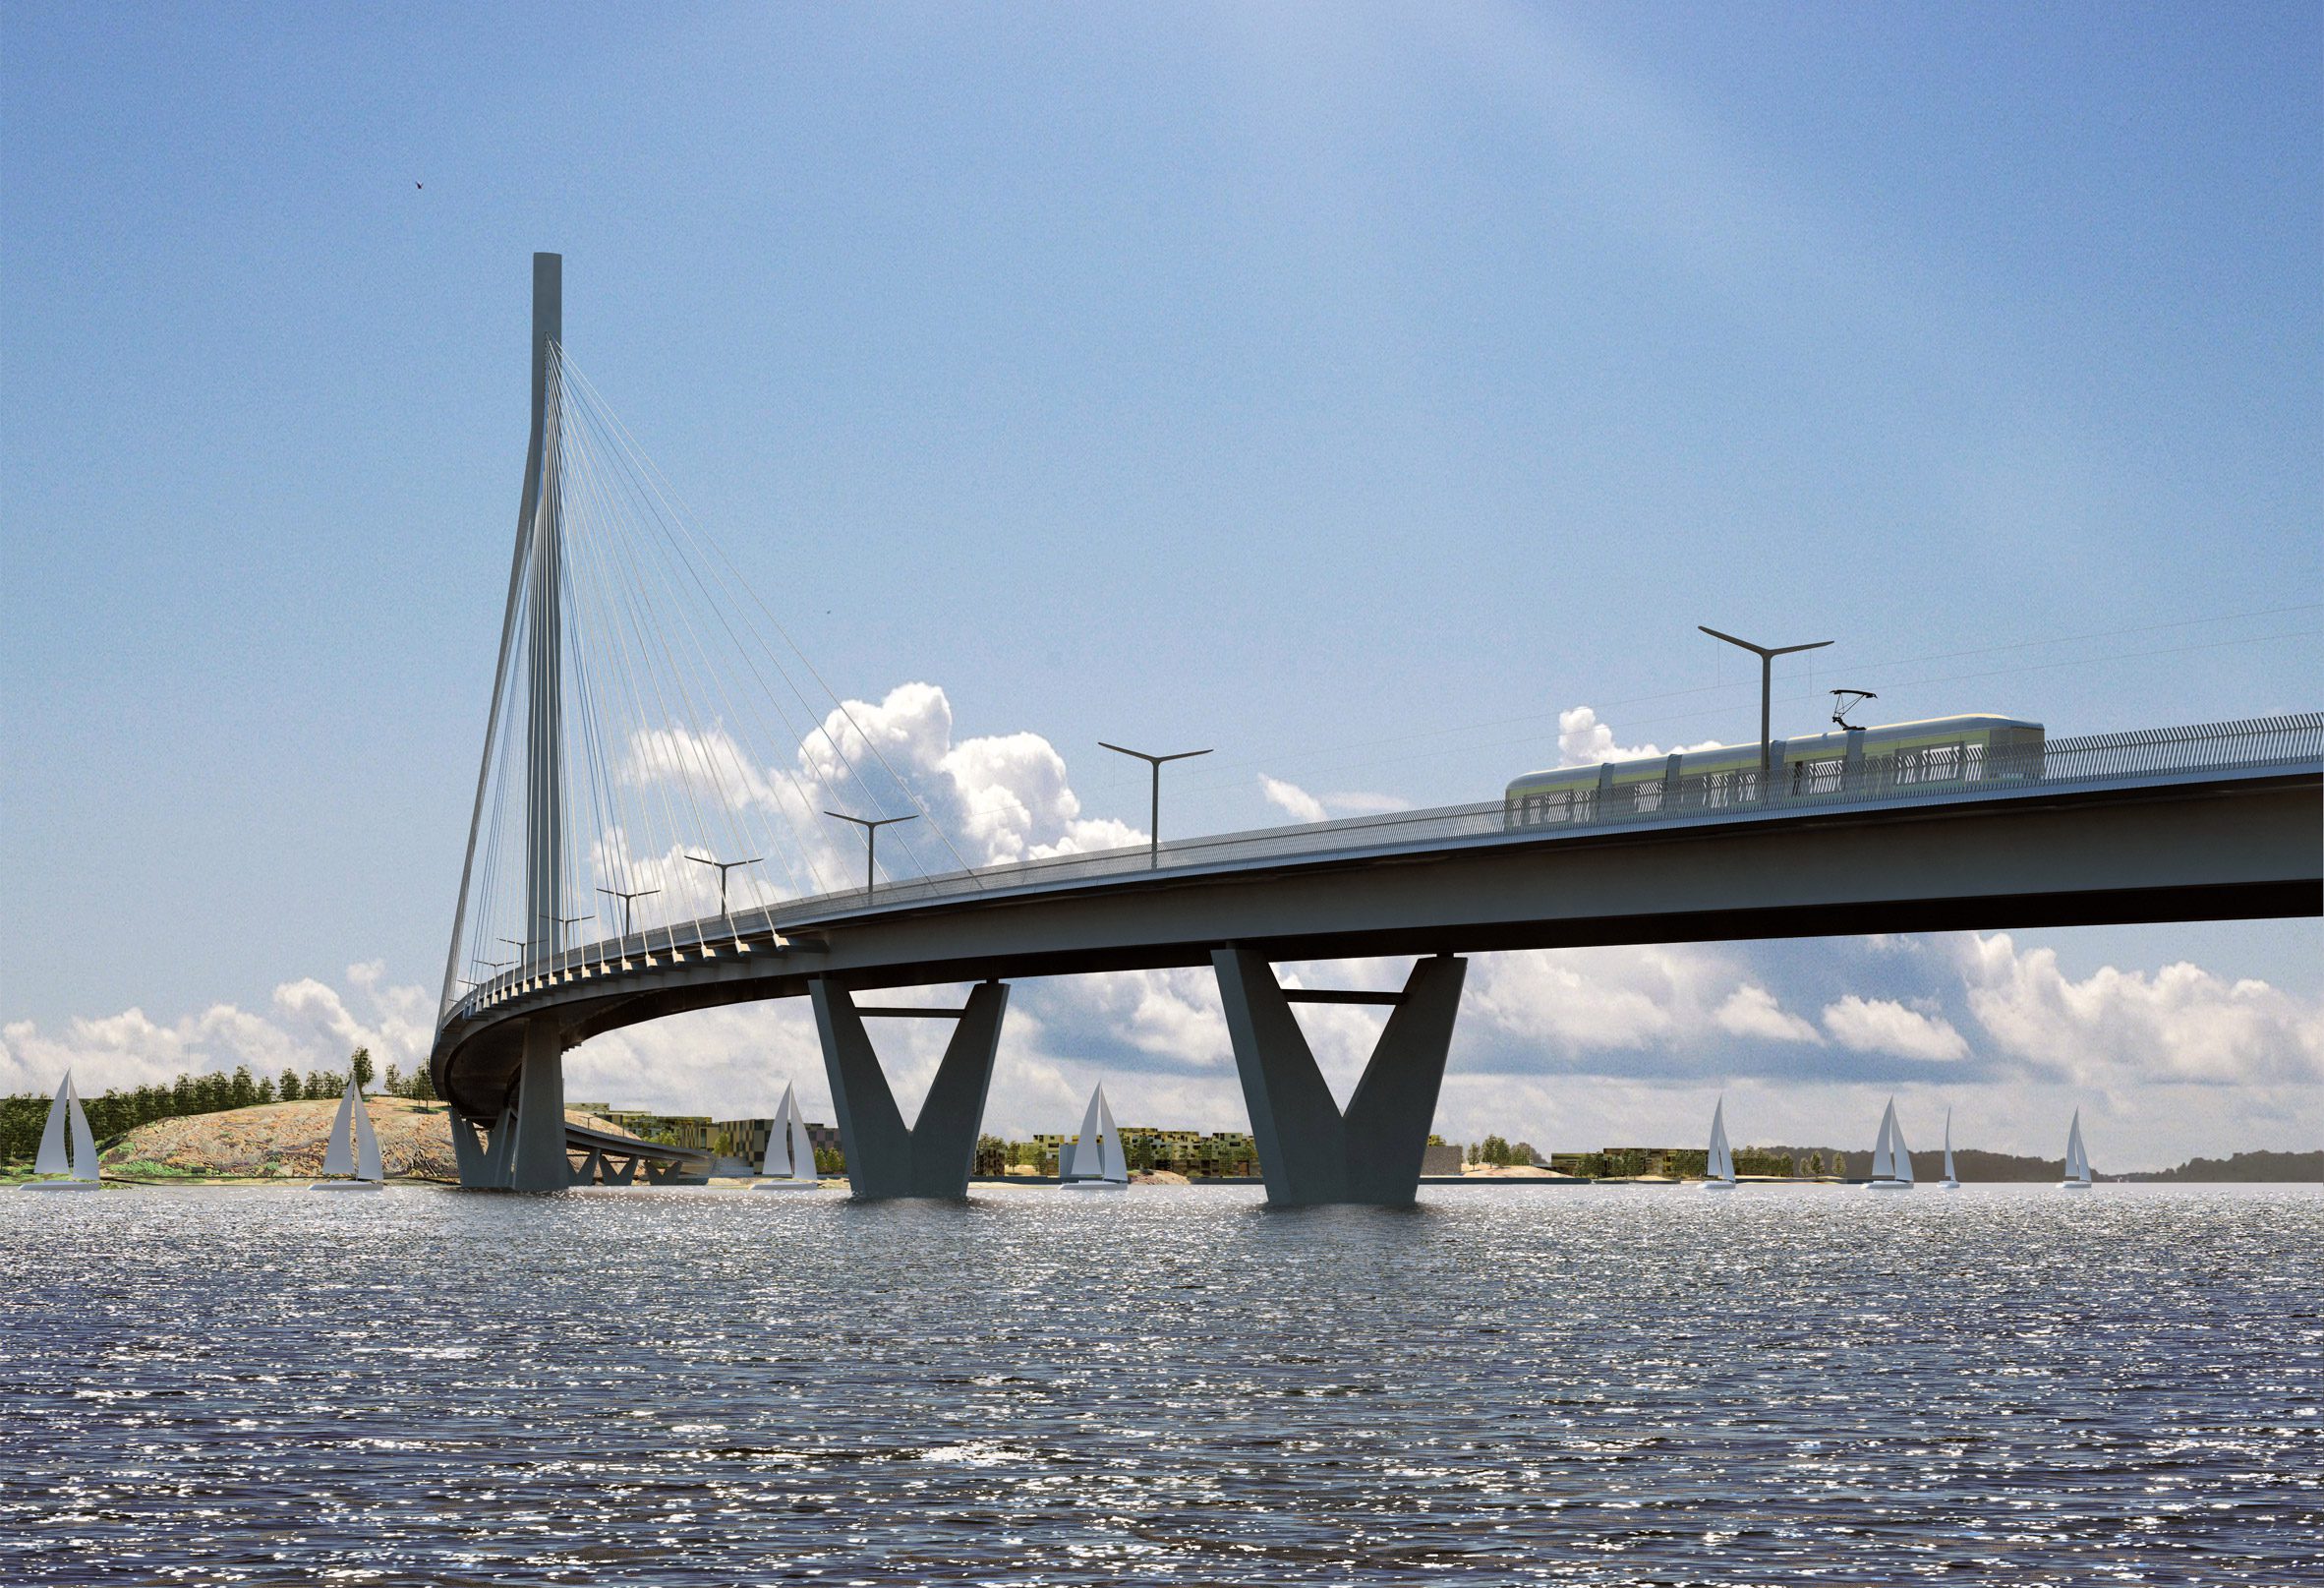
[
  {"x": 626, "y": 899},
  {"x": 724, "y": 866},
  {"x": 1766, "y": 693},
  {"x": 871, "y": 826},
  {"x": 1155, "y": 810}
]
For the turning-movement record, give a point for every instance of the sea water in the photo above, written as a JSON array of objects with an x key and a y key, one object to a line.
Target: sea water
[{"x": 1505, "y": 1384}]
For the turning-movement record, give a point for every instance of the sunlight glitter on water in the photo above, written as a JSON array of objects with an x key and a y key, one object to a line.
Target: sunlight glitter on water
[{"x": 1504, "y": 1384}]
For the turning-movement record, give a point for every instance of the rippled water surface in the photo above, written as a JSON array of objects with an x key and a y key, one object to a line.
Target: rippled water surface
[{"x": 1505, "y": 1385}]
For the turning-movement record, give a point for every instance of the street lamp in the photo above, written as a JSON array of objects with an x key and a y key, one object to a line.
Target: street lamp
[
  {"x": 1767, "y": 693},
  {"x": 1155, "y": 810},
  {"x": 626, "y": 899},
  {"x": 871, "y": 826},
  {"x": 724, "y": 866}
]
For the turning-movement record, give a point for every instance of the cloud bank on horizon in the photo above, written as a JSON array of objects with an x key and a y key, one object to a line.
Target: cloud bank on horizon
[{"x": 1571, "y": 1048}]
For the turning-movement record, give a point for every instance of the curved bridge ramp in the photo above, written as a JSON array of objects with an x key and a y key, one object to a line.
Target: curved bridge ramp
[{"x": 593, "y": 1157}]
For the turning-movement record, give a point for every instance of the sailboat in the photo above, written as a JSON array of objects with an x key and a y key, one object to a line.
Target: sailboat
[
  {"x": 1891, "y": 1159},
  {"x": 790, "y": 1163},
  {"x": 354, "y": 1149},
  {"x": 1093, "y": 1161},
  {"x": 1952, "y": 1180},
  {"x": 2077, "y": 1161},
  {"x": 78, "y": 1165},
  {"x": 1721, "y": 1165}
]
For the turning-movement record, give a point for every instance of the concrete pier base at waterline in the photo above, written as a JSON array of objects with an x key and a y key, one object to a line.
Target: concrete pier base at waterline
[
  {"x": 1309, "y": 1152},
  {"x": 933, "y": 1156},
  {"x": 523, "y": 1150}
]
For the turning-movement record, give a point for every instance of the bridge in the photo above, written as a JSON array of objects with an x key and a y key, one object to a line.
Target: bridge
[{"x": 615, "y": 773}]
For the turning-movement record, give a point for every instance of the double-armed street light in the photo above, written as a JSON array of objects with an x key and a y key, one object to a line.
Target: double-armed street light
[
  {"x": 871, "y": 826},
  {"x": 1155, "y": 810},
  {"x": 627, "y": 899},
  {"x": 724, "y": 866},
  {"x": 1767, "y": 691}
]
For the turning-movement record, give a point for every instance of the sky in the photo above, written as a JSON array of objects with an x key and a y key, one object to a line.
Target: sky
[{"x": 1378, "y": 394}]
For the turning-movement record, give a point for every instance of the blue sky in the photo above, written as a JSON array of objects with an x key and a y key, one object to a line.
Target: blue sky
[{"x": 1353, "y": 388}]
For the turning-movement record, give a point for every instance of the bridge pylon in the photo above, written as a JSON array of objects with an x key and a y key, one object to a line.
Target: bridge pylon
[
  {"x": 934, "y": 1155},
  {"x": 1309, "y": 1151}
]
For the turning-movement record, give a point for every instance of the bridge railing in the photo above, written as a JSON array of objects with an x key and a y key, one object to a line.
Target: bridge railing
[{"x": 2060, "y": 765}]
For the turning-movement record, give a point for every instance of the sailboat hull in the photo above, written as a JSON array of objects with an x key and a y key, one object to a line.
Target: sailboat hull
[
  {"x": 1888, "y": 1185},
  {"x": 787, "y": 1185},
  {"x": 346, "y": 1185},
  {"x": 2073, "y": 1184},
  {"x": 1949, "y": 1185},
  {"x": 1093, "y": 1185},
  {"x": 1719, "y": 1185},
  {"x": 60, "y": 1185}
]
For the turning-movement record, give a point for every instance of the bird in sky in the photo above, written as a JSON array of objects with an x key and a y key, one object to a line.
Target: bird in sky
[{"x": 421, "y": 185}]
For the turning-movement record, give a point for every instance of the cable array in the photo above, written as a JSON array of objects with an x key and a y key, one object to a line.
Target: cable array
[{"x": 691, "y": 746}]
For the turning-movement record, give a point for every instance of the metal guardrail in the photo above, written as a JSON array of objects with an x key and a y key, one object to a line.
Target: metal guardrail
[{"x": 2060, "y": 765}]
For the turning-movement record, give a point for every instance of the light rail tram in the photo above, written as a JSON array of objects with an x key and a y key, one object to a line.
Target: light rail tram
[{"x": 1925, "y": 757}]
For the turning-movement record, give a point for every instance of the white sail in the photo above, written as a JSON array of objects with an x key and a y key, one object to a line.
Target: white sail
[
  {"x": 367, "y": 1142},
  {"x": 52, "y": 1158},
  {"x": 1948, "y": 1174},
  {"x": 84, "y": 1152},
  {"x": 2077, "y": 1161},
  {"x": 1111, "y": 1164},
  {"x": 1722, "y": 1162},
  {"x": 802, "y": 1146},
  {"x": 1882, "y": 1154},
  {"x": 778, "y": 1159},
  {"x": 1900, "y": 1170},
  {"x": 339, "y": 1157},
  {"x": 1088, "y": 1162}
]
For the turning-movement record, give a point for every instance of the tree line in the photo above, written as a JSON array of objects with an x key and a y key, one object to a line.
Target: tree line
[{"x": 116, "y": 1113}]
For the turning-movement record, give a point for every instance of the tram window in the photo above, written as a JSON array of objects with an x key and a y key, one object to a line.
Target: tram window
[{"x": 1816, "y": 777}]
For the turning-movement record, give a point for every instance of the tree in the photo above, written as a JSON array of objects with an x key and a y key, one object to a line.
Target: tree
[
  {"x": 288, "y": 1088},
  {"x": 1494, "y": 1151},
  {"x": 992, "y": 1156},
  {"x": 359, "y": 1061},
  {"x": 392, "y": 1085}
]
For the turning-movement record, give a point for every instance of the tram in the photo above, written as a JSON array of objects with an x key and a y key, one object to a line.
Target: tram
[{"x": 1924, "y": 757}]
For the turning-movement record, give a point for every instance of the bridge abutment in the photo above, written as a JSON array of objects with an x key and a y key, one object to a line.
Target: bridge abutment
[
  {"x": 934, "y": 1155},
  {"x": 1309, "y": 1151}
]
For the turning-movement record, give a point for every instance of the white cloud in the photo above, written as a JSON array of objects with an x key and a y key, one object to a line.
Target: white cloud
[
  {"x": 1302, "y": 806},
  {"x": 1581, "y": 1000},
  {"x": 1752, "y": 1011},
  {"x": 1584, "y": 740},
  {"x": 1884, "y": 1025},
  {"x": 313, "y": 1026},
  {"x": 2180, "y": 1023},
  {"x": 1294, "y": 800}
]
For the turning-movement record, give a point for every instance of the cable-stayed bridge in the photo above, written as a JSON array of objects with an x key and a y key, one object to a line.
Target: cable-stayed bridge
[{"x": 655, "y": 832}]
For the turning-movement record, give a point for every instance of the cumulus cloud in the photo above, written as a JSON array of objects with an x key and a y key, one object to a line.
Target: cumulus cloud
[
  {"x": 1752, "y": 1011},
  {"x": 1884, "y": 1025},
  {"x": 1302, "y": 806},
  {"x": 1574, "y": 1002},
  {"x": 2182, "y": 1023},
  {"x": 1584, "y": 740},
  {"x": 1294, "y": 800},
  {"x": 312, "y": 1026}
]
